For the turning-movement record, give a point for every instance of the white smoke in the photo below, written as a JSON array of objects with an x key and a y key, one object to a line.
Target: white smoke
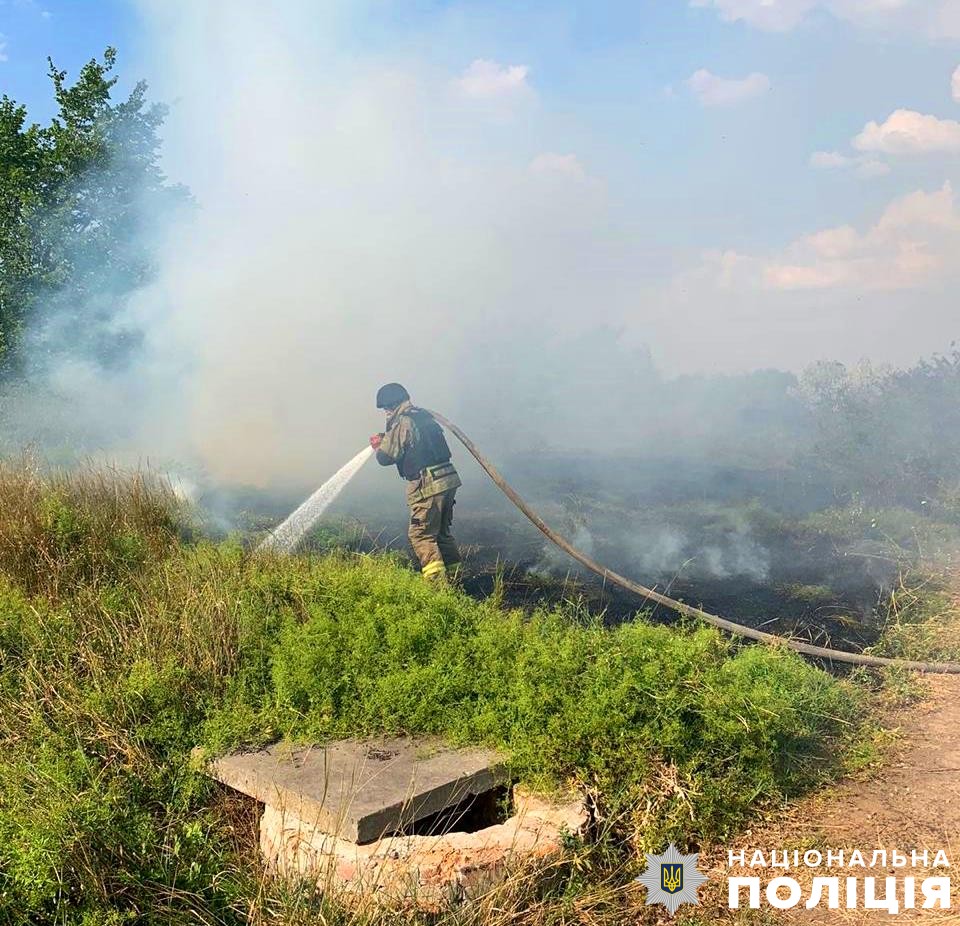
[{"x": 359, "y": 222}]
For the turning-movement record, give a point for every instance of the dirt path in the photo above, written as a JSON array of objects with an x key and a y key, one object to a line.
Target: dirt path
[{"x": 913, "y": 802}]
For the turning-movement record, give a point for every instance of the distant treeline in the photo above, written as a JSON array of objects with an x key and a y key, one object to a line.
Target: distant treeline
[{"x": 888, "y": 436}]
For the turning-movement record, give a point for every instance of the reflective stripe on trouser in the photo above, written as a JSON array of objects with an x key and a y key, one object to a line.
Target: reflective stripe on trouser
[{"x": 430, "y": 522}]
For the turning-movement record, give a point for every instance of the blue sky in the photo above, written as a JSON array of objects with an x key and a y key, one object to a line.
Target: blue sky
[
  {"x": 603, "y": 70},
  {"x": 729, "y": 138},
  {"x": 70, "y": 33}
]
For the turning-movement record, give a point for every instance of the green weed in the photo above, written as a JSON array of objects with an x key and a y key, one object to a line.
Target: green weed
[{"x": 123, "y": 648}]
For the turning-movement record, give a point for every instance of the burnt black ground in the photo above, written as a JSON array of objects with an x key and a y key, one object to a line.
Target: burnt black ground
[
  {"x": 846, "y": 613},
  {"x": 741, "y": 545}
]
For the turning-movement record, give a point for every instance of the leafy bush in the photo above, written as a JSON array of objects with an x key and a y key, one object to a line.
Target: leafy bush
[{"x": 370, "y": 648}]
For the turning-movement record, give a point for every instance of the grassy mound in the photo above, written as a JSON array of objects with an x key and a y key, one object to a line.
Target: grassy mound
[{"x": 122, "y": 647}]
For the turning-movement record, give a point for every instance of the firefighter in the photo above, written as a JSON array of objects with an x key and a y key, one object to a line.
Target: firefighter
[{"x": 414, "y": 443}]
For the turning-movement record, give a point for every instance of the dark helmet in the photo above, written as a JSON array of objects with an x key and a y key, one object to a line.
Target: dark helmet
[{"x": 391, "y": 395}]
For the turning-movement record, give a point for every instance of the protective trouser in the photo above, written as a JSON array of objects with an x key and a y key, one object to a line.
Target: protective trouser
[{"x": 430, "y": 537}]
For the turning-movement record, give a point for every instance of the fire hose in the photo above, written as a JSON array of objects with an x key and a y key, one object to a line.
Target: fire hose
[{"x": 741, "y": 630}]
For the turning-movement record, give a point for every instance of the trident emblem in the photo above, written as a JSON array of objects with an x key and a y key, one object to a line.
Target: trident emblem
[{"x": 671, "y": 878}]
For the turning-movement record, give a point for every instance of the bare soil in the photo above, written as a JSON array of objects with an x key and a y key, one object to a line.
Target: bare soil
[{"x": 911, "y": 802}]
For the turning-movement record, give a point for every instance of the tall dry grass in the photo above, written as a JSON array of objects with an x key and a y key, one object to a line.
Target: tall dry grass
[{"x": 60, "y": 529}]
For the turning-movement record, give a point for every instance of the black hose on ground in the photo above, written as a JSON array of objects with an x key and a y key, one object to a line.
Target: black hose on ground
[{"x": 808, "y": 649}]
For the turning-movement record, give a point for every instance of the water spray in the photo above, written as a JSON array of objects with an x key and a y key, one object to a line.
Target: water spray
[{"x": 286, "y": 537}]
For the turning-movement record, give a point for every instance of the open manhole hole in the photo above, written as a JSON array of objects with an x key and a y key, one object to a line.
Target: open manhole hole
[{"x": 472, "y": 814}]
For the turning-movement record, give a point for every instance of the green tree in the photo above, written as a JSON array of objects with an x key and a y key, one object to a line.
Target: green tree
[{"x": 79, "y": 199}]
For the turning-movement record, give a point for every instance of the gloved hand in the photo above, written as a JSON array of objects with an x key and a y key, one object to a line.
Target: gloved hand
[{"x": 375, "y": 441}]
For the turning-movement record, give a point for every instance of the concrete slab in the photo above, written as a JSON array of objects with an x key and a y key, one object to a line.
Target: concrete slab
[{"x": 362, "y": 790}]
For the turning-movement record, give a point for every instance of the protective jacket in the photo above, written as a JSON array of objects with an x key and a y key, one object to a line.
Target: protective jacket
[{"x": 415, "y": 444}]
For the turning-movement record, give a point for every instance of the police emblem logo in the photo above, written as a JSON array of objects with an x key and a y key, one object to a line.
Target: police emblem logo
[{"x": 672, "y": 879}]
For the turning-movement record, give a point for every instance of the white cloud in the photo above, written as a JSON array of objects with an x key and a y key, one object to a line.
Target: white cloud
[
  {"x": 3, "y": 48},
  {"x": 833, "y": 243},
  {"x": 936, "y": 18},
  {"x": 955, "y": 84},
  {"x": 914, "y": 245},
  {"x": 829, "y": 160},
  {"x": 485, "y": 79},
  {"x": 865, "y": 166},
  {"x": 903, "y": 133},
  {"x": 712, "y": 90},
  {"x": 884, "y": 288},
  {"x": 909, "y": 132},
  {"x": 763, "y": 14},
  {"x": 565, "y": 165},
  {"x": 916, "y": 242}
]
